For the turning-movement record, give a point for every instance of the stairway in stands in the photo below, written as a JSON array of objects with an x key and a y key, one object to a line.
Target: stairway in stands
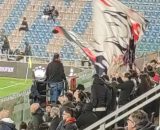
[
  {"x": 6, "y": 7},
  {"x": 30, "y": 13}
]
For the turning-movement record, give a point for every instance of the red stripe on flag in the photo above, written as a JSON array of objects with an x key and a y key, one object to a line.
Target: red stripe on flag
[
  {"x": 90, "y": 54},
  {"x": 135, "y": 31},
  {"x": 104, "y": 2}
]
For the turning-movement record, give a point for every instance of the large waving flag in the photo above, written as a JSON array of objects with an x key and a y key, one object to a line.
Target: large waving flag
[
  {"x": 116, "y": 30},
  {"x": 98, "y": 60}
]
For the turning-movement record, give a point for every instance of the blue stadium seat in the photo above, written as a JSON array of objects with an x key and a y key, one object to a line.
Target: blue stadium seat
[{"x": 15, "y": 15}]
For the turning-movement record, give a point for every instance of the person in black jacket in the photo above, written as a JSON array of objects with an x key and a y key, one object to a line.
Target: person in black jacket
[
  {"x": 87, "y": 117},
  {"x": 24, "y": 25},
  {"x": 6, "y": 45},
  {"x": 100, "y": 96},
  {"x": 138, "y": 120},
  {"x": 125, "y": 89},
  {"x": 36, "y": 118},
  {"x": 56, "y": 77}
]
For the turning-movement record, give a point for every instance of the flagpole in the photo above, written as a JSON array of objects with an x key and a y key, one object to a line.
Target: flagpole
[
  {"x": 26, "y": 77},
  {"x": 27, "y": 74},
  {"x": 29, "y": 66}
]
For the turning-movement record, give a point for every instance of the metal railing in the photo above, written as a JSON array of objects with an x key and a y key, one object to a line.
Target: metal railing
[{"x": 150, "y": 96}]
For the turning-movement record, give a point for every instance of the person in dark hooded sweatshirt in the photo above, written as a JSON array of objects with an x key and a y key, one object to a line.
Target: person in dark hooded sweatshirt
[
  {"x": 87, "y": 117},
  {"x": 6, "y": 123},
  {"x": 55, "y": 76},
  {"x": 100, "y": 97},
  {"x": 138, "y": 120}
]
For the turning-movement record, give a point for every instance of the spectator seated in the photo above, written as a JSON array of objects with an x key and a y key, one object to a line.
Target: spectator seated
[{"x": 24, "y": 25}]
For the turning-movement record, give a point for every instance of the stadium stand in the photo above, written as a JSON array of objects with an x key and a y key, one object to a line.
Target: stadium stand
[
  {"x": 14, "y": 16},
  {"x": 43, "y": 42},
  {"x": 76, "y": 19},
  {"x": 30, "y": 13},
  {"x": 6, "y": 7}
]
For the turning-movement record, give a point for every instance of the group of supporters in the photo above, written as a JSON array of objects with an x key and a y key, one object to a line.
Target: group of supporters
[
  {"x": 50, "y": 13},
  {"x": 78, "y": 109}
]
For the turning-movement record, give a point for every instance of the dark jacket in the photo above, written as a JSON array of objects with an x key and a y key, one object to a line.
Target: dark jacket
[
  {"x": 148, "y": 126},
  {"x": 6, "y": 45},
  {"x": 27, "y": 50},
  {"x": 68, "y": 125},
  {"x": 55, "y": 72},
  {"x": 126, "y": 89},
  {"x": 142, "y": 88},
  {"x": 36, "y": 120},
  {"x": 7, "y": 126},
  {"x": 24, "y": 26},
  {"x": 113, "y": 104},
  {"x": 87, "y": 117},
  {"x": 54, "y": 123},
  {"x": 99, "y": 93}
]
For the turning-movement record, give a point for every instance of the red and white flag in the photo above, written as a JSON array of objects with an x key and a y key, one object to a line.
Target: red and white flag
[{"x": 116, "y": 29}]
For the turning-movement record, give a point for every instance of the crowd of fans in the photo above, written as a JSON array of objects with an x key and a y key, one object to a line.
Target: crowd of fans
[
  {"x": 76, "y": 110},
  {"x": 50, "y": 13}
]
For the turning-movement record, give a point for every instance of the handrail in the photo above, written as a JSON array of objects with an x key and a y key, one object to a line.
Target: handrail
[
  {"x": 121, "y": 109},
  {"x": 149, "y": 100}
]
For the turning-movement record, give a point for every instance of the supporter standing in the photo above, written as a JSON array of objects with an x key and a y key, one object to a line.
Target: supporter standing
[
  {"x": 54, "y": 15},
  {"x": 100, "y": 97},
  {"x": 27, "y": 50},
  {"x": 55, "y": 77},
  {"x": 125, "y": 89},
  {"x": 87, "y": 117},
  {"x": 5, "y": 46}
]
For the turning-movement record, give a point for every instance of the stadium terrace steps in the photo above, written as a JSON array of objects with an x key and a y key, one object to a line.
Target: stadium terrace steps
[
  {"x": 41, "y": 31},
  {"x": 71, "y": 16},
  {"x": 88, "y": 35},
  {"x": 151, "y": 10},
  {"x": 84, "y": 19},
  {"x": 30, "y": 13},
  {"x": 5, "y": 9},
  {"x": 76, "y": 16},
  {"x": 67, "y": 16},
  {"x": 15, "y": 15}
]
